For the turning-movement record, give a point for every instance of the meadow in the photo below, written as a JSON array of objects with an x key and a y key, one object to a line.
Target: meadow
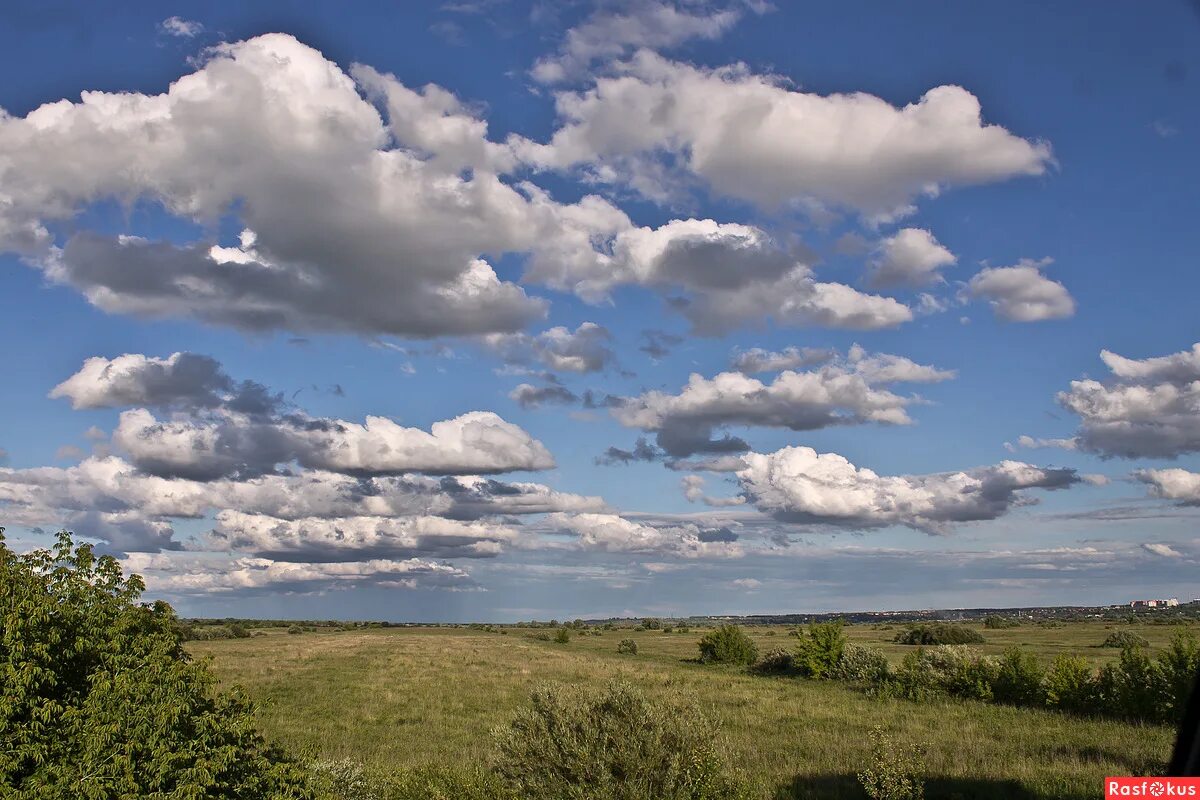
[{"x": 394, "y": 698}]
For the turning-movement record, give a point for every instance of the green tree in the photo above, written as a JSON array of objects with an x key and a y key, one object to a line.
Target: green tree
[
  {"x": 98, "y": 699},
  {"x": 819, "y": 652}
]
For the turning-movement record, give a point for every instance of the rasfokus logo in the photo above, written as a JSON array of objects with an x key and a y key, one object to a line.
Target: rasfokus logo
[{"x": 1151, "y": 787}]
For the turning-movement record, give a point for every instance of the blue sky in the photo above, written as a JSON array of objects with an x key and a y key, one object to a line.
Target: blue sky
[{"x": 975, "y": 221}]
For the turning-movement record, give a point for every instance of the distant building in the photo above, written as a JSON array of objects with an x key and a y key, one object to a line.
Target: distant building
[{"x": 1174, "y": 601}]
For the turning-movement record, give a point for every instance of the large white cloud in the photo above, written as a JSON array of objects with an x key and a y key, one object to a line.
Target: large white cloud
[
  {"x": 751, "y": 136},
  {"x": 354, "y": 224},
  {"x": 1022, "y": 293},
  {"x": 356, "y": 220},
  {"x": 797, "y": 484},
  {"x": 193, "y": 575},
  {"x": 720, "y": 276},
  {"x": 234, "y": 444},
  {"x": 1150, "y": 410},
  {"x": 355, "y": 538},
  {"x": 110, "y": 499},
  {"x": 845, "y": 392}
]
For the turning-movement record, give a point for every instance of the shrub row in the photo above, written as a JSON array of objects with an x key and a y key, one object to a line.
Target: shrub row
[{"x": 1134, "y": 687}]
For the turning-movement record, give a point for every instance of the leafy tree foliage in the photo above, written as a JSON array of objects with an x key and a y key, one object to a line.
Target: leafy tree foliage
[
  {"x": 819, "y": 652},
  {"x": 98, "y": 699}
]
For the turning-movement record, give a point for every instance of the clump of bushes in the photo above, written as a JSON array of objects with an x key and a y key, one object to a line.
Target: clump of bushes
[
  {"x": 727, "y": 644},
  {"x": 295, "y": 630},
  {"x": 936, "y": 633},
  {"x": 860, "y": 664},
  {"x": 1123, "y": 639},
  {"x": 995, "y": 622},
  {"x": 1134, "y": 687},
  {"x": 562, "y": 636},
  {"x": 777, "y": 662},
  {"x": 96, "y": 683},
  {"x": 895, "y": 772},
  {"x": 614, "y": 744},
  {"x": 627, "y": 647}
]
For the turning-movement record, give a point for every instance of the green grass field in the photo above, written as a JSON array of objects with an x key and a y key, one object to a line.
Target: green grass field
[{"x": 404, "y": 697}]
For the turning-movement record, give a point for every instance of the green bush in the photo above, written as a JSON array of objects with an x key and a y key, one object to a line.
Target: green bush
[
  {"x": 939, "y": 633},
  {"x": 947, "y": 669},
  {"x": 895, "y": 771},
  {"x": 95, "y": 683},
  {"x": 627, "y": 647},
  {"x": 651, "y": 624},
  {"x": 295, "y": 629},
  {"x": 819, "y": 652},
  {"x": 1020, "y": 679},
  {"x": 614, "y": 744},
  {"x": 1071, "y": 685},
  {"x": 995, "y": 622},
  {"x": 1129, "y": 688},
  {"x": 777, "y": 662},
  {"x": 860, "y": 664},
  {"x": 1177, "y": 669},
  {"x": 1123, "y": 639},
  {"x": 562, "y": 636},
  {"x": 727, "y": 644}
]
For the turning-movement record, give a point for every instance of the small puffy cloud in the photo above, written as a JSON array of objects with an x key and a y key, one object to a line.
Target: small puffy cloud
[
  {"x": 910, "y": 257},
  {"x": 1172, "y": 484},
  {"x": 693, "y": 490},
  {"x": 610, "y": 33},
  {"x": 753, "y": 137},
  {"x": 611, "y": 533},
  {"x": 657, "y": 344},
  {"x": 1022, "y": 293},
  {"x": 181, "y": 28},
  {"x": 693, "y": 487},
  {"x": 1150, "y": 409},
  {"x": 642, "y": 450},
  {"x": 847, "y": 392},
  {"x": 746, "y": 583},
  {"x": 586, "y": 349},
  {"x": 757, "y": 360},
  {"x": 1161, "y": 549},
  {"x": 1031, "y": 443},
  {"x": 527, "y": 395},
  {"x": 797, "y": 484},
  {"x": 183, "y": 380}
]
